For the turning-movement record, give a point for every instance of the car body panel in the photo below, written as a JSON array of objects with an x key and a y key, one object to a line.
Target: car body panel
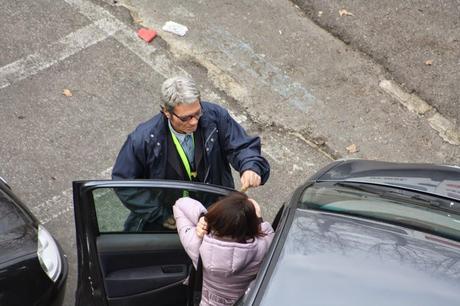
[
  {"x": 18, "y": 226},
  {"x": 362, "y": 262},
  {"x": 24, "y": 273},
  {"x": 18, "y": 236}
]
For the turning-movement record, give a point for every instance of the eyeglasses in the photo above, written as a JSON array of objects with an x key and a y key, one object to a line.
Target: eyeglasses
[{"x": 187, "y": 118}]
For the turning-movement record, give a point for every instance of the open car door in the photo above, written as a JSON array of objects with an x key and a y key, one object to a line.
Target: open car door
[{"x": 127, "y": 253}]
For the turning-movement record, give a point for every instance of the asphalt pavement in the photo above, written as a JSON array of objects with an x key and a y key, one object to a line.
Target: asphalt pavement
[
  {"x": 75, "y": 79},
  {"x": 417, "y": 42}
]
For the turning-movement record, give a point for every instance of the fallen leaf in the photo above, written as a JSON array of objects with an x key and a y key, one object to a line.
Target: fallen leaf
[
  {"x": 67, "y": 92},
  {"x": 344, "y": 12},
  {"x": 429, "y": 62},
  {"x": 352, "y": 148},
  {"x": 138, "y": 20}
]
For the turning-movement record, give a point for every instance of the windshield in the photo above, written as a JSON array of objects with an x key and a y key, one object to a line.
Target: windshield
[
  {"x": 11, "y": 219},
  {"x": 397, "y": 206}
]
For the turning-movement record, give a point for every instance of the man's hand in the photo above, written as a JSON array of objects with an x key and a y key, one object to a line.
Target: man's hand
[
  {"x": 201, "y": 227},
  {"x": 249, "y": 179},
  {"x": 170, "y": 223}
]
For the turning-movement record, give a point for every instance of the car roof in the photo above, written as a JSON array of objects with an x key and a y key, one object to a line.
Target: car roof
[
  {"x": 331, "y": 259},
  {"x": 439, "y": 180}
]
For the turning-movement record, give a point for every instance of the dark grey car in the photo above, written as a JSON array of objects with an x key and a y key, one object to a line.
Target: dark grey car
[{"x": 357, "y": 233}]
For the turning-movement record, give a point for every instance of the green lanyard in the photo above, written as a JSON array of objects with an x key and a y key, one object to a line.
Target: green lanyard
[{"x": 183, "y": 157}]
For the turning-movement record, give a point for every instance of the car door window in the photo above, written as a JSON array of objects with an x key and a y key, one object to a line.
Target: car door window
[{"x": 141, "y": 209}]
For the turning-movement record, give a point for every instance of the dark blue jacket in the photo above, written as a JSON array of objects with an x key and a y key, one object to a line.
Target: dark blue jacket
[{"x": 148, "y": 153}]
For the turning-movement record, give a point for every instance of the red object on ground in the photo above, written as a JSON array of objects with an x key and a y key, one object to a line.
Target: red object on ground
[{"x": 147, "y": 34}]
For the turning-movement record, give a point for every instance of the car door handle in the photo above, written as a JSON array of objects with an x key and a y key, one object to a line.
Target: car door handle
[
  {"x": 128, "y": 282},
  {"x": 173, "y": 269}
]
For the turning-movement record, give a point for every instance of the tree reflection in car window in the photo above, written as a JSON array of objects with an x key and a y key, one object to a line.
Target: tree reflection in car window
[
  {"x": 11, "y": 220},
  {"x": 375, "y": 203}
]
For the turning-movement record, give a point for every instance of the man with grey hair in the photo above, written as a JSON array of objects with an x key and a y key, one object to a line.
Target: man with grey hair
[{"x": 191, "y": 140}]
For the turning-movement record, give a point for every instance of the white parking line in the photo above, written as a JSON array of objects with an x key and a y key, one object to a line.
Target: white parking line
[
  {"x": 61, "y": 204},
  {"x": 104, "y": 25},
  {"x": 54, "y": 53},
  {"x": 128, "y": 38}
]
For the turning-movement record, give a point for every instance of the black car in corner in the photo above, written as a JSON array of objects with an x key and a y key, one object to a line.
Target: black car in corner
[
  {"x": 356, "y": 233},
  {"x": 33, "y": 268}
]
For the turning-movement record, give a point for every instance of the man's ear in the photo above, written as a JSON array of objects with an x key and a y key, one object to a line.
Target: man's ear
[{"x": 165, "y": 112}]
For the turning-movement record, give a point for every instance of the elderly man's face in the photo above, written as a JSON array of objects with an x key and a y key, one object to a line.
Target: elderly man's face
[{"x": 184, "y": 117}]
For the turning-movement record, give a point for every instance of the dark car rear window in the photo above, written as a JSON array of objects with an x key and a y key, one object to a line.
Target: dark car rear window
[
  {"x": 11, "y": 219},
  {"x": 437, "y": 180},
  {"x": 392, "y": 205}
]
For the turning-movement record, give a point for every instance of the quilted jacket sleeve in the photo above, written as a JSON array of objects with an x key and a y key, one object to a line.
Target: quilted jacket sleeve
[
  {"x": 129, "y": 164},
  {"x": 263, "y": 243},
  {"x": 187, "y": 211}
]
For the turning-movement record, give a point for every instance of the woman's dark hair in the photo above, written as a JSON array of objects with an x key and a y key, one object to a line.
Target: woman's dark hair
[{"x": 234, "y": 216}]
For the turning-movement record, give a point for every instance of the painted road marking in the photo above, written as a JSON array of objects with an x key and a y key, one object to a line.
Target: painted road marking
[
  {"x": 54, "y": 53},
  {"x": 61, "y": 204},
  {"x": 238, "y": 57},
  {"x": 128, "y": 38},
  {"x": 260, "y": 69},
  {"x": 104, "y": 25}
]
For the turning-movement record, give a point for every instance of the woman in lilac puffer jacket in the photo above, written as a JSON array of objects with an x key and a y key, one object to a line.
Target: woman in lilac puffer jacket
[{"x": 231, "y": 239}]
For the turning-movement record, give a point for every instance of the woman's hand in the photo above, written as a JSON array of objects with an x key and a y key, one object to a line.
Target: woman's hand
[{"x": 201, "y": 227}]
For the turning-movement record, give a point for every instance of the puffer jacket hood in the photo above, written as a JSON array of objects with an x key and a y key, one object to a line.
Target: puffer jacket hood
[{"x": 225, "y": 258}]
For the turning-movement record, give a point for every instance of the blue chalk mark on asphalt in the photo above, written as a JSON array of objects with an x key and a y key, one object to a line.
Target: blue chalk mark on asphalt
[{"x": 271, "y": 76}]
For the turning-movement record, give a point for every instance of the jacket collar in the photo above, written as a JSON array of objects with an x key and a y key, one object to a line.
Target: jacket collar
[
  {"x": 207, "y": 127},
  {"x": 174, "y": 160}
]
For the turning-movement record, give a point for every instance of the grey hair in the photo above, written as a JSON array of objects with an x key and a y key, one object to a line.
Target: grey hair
[{"x": 178, "y": 90}]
